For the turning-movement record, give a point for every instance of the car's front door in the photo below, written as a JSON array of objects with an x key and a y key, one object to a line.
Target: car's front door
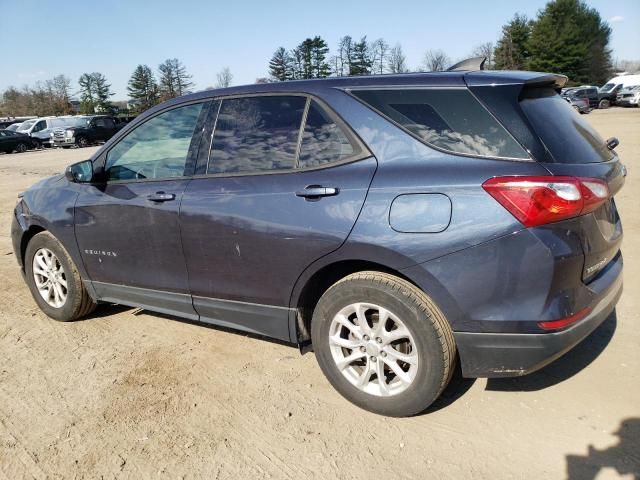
[
  {"x": 127, "y": 227},
  {"x": 266, "y": 208}
]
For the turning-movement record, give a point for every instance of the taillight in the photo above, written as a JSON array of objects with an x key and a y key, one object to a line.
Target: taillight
[{"x": 540, "y": 200}]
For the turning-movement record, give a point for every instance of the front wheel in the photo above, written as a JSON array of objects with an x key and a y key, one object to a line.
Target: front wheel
[
  {"x": 82, "y": 142},
  {"x": 21, "y": 148},
  {"x": 604, "y": 103},
  {"x": 383, "y": 344},
  {"x": 54, "y": 280}
]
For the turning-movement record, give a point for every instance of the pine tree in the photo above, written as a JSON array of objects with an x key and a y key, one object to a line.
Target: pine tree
[
  {"x": 570, "y": 38},
  {"x": 143, "y": 88},
  {"x": 87, "y": 95},
  {"x": 280, "y": 67},
  {"x": 174, "y": 79},
  {"x": 102, "y": 91},
  {"x": 512, "y": 50},
  {"x": 362, "y": 62},
  {"x": 319, "y": 50}
]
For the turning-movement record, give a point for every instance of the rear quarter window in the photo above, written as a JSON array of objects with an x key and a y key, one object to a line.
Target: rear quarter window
[
  {"x": 567, "y": 135},
  {"x": 448, "y": 119}
]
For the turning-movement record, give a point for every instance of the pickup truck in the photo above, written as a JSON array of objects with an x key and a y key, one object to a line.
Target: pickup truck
[{"x": 85, "y": 130}]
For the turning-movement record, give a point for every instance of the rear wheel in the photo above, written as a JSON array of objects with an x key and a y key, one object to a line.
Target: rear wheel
[
  {"x": 54, "y": 280},
  {"x": 383, "y": 344}
]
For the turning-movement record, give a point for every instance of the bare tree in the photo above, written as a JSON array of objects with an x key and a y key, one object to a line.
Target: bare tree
[
  {"x": 436, "y": 61},
  {"x": 345, "y": 56},
  {"x": 225, "y": 77},
  {"x": 485, "y": 50},
  {"x": 396, "y": 61},
  {"x": 379, "y": 54}
]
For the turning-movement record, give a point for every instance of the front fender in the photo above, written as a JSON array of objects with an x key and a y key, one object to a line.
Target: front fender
[{"x": 48, "y": 205}]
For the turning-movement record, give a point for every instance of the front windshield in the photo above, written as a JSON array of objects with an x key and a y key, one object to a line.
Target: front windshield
[
  {"x": 607, "y": 87},
  {"x": 26, "y": 125}
]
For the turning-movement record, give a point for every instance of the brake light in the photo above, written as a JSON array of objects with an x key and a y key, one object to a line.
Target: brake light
[
  {"x": 564, "y": 322},
  {"x": 545, "y": 199}
]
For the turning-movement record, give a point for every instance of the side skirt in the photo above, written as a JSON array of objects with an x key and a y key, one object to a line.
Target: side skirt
[{"x": 267, "y": 320}]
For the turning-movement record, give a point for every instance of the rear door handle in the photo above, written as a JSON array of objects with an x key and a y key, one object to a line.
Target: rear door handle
[
  {"x": 317, "y": 191},
  {"x": 161, "y": 197}
]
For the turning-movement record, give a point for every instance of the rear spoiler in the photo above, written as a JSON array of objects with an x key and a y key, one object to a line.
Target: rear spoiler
[{"x": 553, "y": 80}]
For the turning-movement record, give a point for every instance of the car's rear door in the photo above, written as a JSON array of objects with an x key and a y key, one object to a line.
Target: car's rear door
[
  {"x": 127, "y": 227},
  {"x": 272, "y": 197}
]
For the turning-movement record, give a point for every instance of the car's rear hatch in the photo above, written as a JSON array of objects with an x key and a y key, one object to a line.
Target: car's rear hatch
[{"x": 567, "y": 145}]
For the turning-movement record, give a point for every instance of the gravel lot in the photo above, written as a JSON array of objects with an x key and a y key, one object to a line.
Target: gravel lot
[{"x": 129, "y": 394}]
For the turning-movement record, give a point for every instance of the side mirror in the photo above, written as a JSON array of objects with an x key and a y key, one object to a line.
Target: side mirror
[{"x": 81, "y": 172}]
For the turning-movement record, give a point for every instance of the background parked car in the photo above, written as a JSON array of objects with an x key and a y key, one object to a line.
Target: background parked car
[
  {"x": 587, "y": 92},
  {"x": 14, "y": 126},
  {"x": 581, "y": 105},
  {"x": 629, "y": 97},
  {"x": 39, "y": 129},
  {"x": 13, "y": 141},
  {"x": 609, "y": 91},
  {"x": 85, "y": 130}
]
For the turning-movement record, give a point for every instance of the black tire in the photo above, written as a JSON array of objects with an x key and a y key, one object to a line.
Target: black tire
[
  {"x": 21, "y": 148},
  {"x": 82, "y": 142},
  {"x": 604, "y": 103},
  {"x": 434, "y": 342},
  {"x": 78, "y": 302}
]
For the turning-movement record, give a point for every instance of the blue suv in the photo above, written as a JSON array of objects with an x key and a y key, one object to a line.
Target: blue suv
[{"x": 395, "y": 224}]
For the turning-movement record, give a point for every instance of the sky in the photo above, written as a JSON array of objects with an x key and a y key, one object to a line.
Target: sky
[{"x": 42, "y": 39}]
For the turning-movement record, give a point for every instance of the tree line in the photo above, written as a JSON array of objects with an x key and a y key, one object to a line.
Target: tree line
[
  {"x": 311, "y": 59},
  {"x": 145, "y": 88},
  {"x": 567, "y": 37}
]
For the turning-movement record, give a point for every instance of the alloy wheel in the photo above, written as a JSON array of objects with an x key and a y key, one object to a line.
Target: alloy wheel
[
  {"x": 373, "y": 349},
  {"x": 50, "y": 277}
]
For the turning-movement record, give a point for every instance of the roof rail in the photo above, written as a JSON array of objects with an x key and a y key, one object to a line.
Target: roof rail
[{"x": 474, "y": 63}]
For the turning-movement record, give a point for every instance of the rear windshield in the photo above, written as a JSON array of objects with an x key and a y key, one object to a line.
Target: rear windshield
[
  {"x": 451, "y": 120},
  {"x": 565, "y": 133}
]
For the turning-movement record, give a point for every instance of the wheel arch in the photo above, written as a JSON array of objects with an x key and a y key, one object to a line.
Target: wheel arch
[
  {"x": 27, "y": 235},
  {"x": 309, "y": 289}
]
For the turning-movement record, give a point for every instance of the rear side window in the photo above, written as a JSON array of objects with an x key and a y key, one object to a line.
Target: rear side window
[
  {"x": 568, "y": 137},
  {"x": 256, "y": 134},
  {"x": 323, "y": 141},
  {"x": 451, "y": 120}
]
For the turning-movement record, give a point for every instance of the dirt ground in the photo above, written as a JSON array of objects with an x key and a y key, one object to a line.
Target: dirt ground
[{"x": 136, "y": 395}]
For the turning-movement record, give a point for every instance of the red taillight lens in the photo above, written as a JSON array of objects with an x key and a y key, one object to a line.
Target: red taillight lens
[
  {"x": 540, "y": 200},
  {"x": 564, "y": 322}
]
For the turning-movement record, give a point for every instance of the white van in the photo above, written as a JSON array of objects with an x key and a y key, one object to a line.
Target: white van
[
  {"x": 40, "y": 128},
  {"x": 620, "y": 82}
]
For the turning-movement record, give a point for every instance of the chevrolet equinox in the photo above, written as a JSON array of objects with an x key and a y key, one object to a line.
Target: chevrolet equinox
[{"x": 395, "y": 224}]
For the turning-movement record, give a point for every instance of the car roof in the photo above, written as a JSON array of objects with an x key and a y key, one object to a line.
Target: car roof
[{"x": 444, "y": 79}]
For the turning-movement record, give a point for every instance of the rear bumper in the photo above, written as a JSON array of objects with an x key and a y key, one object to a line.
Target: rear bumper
[{"x": 516, "y": 354}]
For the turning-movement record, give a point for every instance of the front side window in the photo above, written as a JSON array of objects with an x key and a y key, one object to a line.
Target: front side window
[
  {"x": 452, "y": 120},
  {"x": 39, "y": 126},
  {"x": 323, "y": 141},
  {"x": 256, "y": 134},
  {"x": 156, "y": 149}
]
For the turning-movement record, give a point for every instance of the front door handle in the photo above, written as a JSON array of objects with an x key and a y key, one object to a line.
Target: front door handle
[
  {"x": 161, "y": 197},
  {"x": 316, "y": 191}
]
